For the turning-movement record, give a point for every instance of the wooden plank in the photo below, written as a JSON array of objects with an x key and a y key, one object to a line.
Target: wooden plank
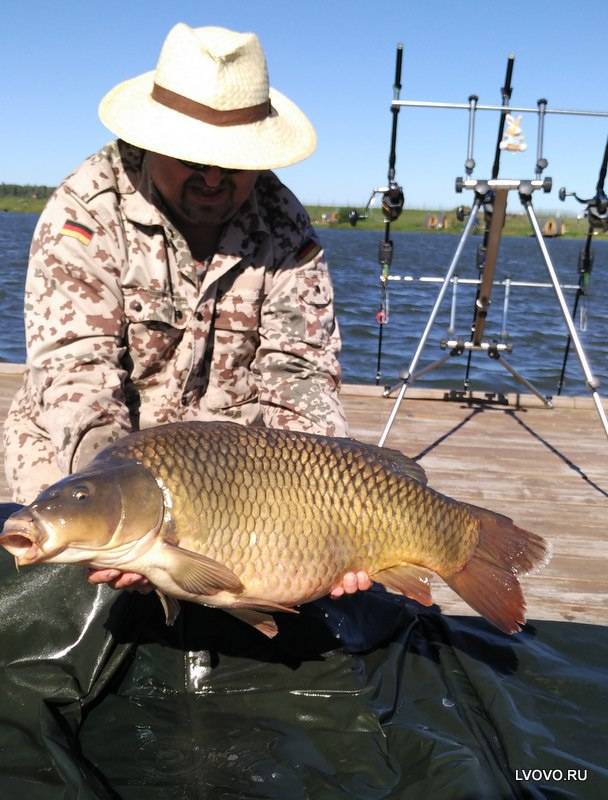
[{"x": 10, "y": 380}]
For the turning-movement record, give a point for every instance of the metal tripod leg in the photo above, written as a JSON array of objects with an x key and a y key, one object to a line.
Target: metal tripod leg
[
  {"x": 591, "y": 381},
  {"x": 388, "y": 390},
  {"x": 412, "y": 367},
  {"x": 524, "y": 381}
]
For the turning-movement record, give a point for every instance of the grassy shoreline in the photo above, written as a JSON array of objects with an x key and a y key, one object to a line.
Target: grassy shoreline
[
  {"x": 411, "y": 220},
  {"x": 417, "y": 221},
  {"x": 26, "y": 205}
]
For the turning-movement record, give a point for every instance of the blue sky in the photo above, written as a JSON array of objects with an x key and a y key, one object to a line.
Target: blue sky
[{"x": 336, "y": 60}]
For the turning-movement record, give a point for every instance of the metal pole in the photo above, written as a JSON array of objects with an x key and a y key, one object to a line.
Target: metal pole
[
  {"x": 469, "y": 164},
  {"x": 494, "y": 222},
  {"x": 524, "y": 382},
  {"x": 505, "y": 308},
  {"x": 491, "y": 246},
  {"x": 379, "y": 357},
  {"x": 541, "y": 163},
  {"x": 476, "y": 281},
  {"x": 505, "y": 108},
  {"x": 591, "y": 381},
  {"x": 412, "y": 367},
  {"x": 452, "y": 325}
]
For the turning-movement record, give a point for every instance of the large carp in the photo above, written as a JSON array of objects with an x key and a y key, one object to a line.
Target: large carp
[{"x": 256, "y": 520}]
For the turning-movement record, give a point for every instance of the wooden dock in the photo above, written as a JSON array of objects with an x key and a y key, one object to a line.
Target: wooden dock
[{"x": 545, "y": 468}]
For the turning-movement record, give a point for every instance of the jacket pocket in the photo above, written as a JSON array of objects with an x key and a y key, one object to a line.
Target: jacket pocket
[
  {"x": 315, "y": 304},
  {"x": 155, "y": 324}
]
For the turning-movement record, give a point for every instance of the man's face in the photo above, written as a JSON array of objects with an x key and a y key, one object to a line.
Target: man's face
[{"x": 208, "y": 197}]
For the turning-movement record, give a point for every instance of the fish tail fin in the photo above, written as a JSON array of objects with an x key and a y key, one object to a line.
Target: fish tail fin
[{"x": 489, "y": 580}]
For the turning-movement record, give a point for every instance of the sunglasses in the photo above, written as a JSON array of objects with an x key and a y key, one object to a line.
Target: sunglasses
[{"x": 202, "y": 167}]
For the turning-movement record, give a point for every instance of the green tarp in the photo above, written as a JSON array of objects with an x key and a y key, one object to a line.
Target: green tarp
[{"x": 99, "y": 699}]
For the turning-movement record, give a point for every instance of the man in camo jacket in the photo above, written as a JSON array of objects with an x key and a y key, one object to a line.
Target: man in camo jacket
[{"x": 173, "y": 276}]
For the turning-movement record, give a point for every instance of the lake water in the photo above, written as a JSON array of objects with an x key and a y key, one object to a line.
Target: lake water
[{"x": 535, "y": 326}]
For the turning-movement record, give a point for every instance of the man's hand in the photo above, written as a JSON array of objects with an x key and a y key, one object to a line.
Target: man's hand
[
  {"x": 121, "y": 580},
  {"x": 351, "y": 582}
]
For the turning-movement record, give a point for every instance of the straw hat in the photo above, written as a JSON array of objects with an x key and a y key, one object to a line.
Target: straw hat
[{"x": 209, "y": 101}]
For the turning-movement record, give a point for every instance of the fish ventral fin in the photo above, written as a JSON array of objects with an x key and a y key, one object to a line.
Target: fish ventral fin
[
  {"x": 488, "y": 582},
  {"x": 198, "y": 574},
  {"x": 408, "y": 579},
  {"x": 257, "y": 613},
  {"x": 170, "y": 605},
  {"x": 263, "y": 622}
]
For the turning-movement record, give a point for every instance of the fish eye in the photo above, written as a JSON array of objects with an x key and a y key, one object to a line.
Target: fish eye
[{"x": 80, "y": 493}]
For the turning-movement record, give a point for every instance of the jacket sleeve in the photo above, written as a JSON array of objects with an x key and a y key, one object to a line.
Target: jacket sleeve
[
  {"x": 296, "y": 364},
  {"x": 74, "y": 327}
]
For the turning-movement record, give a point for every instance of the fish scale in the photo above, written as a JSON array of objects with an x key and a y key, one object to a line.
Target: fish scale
[
  {"x": 309, "y": 494},
  {"x": 256, "y": 518}
]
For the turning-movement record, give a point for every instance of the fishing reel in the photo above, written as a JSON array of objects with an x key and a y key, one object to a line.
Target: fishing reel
[
  {"x": 597, "y": 215},
  {"x": 393, "y": 201},
  {"x": 597, "y": 206},
  {"x": 355, "y": 216},
  {"x": 596, "y": 211}
]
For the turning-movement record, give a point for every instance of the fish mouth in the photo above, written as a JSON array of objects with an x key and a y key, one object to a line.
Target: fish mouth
[{"x": 21, "y": 539}]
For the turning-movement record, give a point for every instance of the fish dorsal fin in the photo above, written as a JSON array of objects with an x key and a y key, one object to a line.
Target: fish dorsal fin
[
  {"x": 198, "y": 574},
  {"x": 395, "y": 461},
  {"x": 408, "y": 579}
]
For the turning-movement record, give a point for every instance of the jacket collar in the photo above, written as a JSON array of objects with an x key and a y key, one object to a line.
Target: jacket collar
[{"x": 139, "y": 199}]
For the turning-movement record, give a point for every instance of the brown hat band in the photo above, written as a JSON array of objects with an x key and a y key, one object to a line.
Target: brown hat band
[{"x": 203, "y": 113}]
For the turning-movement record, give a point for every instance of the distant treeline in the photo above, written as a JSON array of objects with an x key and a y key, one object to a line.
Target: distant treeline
[{"x": 18, "y": 190}]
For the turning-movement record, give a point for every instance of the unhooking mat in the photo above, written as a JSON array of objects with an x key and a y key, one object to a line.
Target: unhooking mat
[{"x": 99, "y": 699}]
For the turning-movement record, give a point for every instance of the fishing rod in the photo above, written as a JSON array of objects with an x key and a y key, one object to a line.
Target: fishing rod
[
  {"x": 494, "y": 208},
  {"x": 597, "y": 218},
  {"x": 392, "y": 206}
]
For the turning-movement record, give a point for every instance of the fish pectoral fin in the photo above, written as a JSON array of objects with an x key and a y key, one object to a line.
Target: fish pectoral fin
[
  {"x": 170, "y": 605},
  {"x": 263, "y": 622},
  {"x": 198, "y": 574},
  {"x": 408, "y": 579}
]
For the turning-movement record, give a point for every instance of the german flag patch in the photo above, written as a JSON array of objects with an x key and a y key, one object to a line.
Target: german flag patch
[
  {"x": 307, "y": 252},
  {"x": 77, "y": 231}
]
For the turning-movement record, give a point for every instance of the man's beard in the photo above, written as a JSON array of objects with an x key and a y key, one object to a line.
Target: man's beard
[{"x": 212, "y": 213}]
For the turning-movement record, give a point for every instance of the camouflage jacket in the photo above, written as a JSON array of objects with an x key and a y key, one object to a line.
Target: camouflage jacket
[{"x": 123, "y": 331}]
